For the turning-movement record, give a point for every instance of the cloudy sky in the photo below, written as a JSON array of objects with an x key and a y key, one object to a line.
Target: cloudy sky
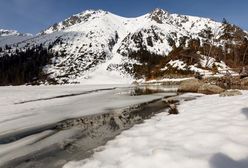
[{"x": 34, "y": 15}]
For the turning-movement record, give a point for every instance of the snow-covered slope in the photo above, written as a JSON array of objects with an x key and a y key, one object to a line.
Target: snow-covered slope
[
  {"x": 10, "y": 37},
  {"x": 95, "y": 46}
]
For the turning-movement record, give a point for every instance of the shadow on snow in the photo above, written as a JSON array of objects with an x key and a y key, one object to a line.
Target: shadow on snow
[{"x": 221, "y": 160}]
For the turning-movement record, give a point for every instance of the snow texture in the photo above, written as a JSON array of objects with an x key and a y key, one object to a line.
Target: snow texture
[{"x": 210, "y": 132}]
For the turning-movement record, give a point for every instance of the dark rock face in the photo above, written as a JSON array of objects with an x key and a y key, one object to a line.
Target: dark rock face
[
  {"x": 173, "y": 109},
  {"x": 158, "y": 15}
]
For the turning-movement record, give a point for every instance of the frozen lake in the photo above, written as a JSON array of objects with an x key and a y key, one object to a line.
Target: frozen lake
[{"x": 29, "y": 114}]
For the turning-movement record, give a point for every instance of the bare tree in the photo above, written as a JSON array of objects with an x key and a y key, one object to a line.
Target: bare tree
[{"x": 211, "y": 43}]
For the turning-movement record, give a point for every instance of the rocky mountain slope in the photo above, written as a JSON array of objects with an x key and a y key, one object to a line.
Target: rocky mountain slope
[{"x": 101, "y": 47}]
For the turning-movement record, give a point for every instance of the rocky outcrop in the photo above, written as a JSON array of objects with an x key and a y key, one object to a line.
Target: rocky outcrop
[
  {"x": 230, "y": 93},
  {"x": 210, "y": 89},
  {"x": 191, "y": 85},
  {"x": 198, "y": 86}
]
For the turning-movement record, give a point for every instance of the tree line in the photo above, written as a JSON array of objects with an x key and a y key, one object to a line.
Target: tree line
[{"x": 22, "y": 67}]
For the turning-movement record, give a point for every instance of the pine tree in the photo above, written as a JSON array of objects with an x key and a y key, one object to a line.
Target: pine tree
[{"x": 23, "y": 67}]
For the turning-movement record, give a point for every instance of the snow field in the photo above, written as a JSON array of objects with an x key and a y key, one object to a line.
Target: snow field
[{"x": 210, "y": 132}]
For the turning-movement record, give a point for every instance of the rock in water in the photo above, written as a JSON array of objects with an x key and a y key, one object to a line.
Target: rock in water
[{"x": 173, "y": 109}]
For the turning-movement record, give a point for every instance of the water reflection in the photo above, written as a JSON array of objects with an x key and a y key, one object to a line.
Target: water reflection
[{"x": 148, "y": 89}]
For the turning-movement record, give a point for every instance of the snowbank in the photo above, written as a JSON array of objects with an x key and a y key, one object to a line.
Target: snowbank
[{"x": 209, "y": 132}]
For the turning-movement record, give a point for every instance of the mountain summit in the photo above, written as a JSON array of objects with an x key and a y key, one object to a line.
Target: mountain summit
[
  {"x": 75, "y": 19},
  {"x": 159, "y": 15},
  {"x": 96, "y": 46}
]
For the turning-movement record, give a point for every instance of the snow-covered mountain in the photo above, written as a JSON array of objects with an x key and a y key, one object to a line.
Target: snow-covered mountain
[
  {"x": 10, "y": 37},
  {"x": 8, "y": 32},
  {"x": 98, "y": 46}
]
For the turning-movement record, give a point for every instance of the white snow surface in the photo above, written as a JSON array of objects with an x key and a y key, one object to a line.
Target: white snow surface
[{"x": 209, "y": 132}]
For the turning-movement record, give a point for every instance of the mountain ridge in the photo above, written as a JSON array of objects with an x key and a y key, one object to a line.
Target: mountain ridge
[{"x": 97, "y": 42}]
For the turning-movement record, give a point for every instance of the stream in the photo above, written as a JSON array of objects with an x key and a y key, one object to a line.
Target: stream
[{"x": 75, "y": 138}]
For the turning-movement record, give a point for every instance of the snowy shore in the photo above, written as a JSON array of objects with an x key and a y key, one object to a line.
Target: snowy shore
[{"x": 209, "y": 132}]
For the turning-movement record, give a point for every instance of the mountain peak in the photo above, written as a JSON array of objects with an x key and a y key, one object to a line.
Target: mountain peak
[
  {"x": 93, "y": 11},
  {"x": 159, "y": 11},
  {"x": 159, "y": 15},
  {"x": 4, "y": 32},
  {"x": 75, "y": 19}
]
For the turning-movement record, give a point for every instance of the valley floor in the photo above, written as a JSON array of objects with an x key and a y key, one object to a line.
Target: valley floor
[{"x": 209, "y": 132}]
